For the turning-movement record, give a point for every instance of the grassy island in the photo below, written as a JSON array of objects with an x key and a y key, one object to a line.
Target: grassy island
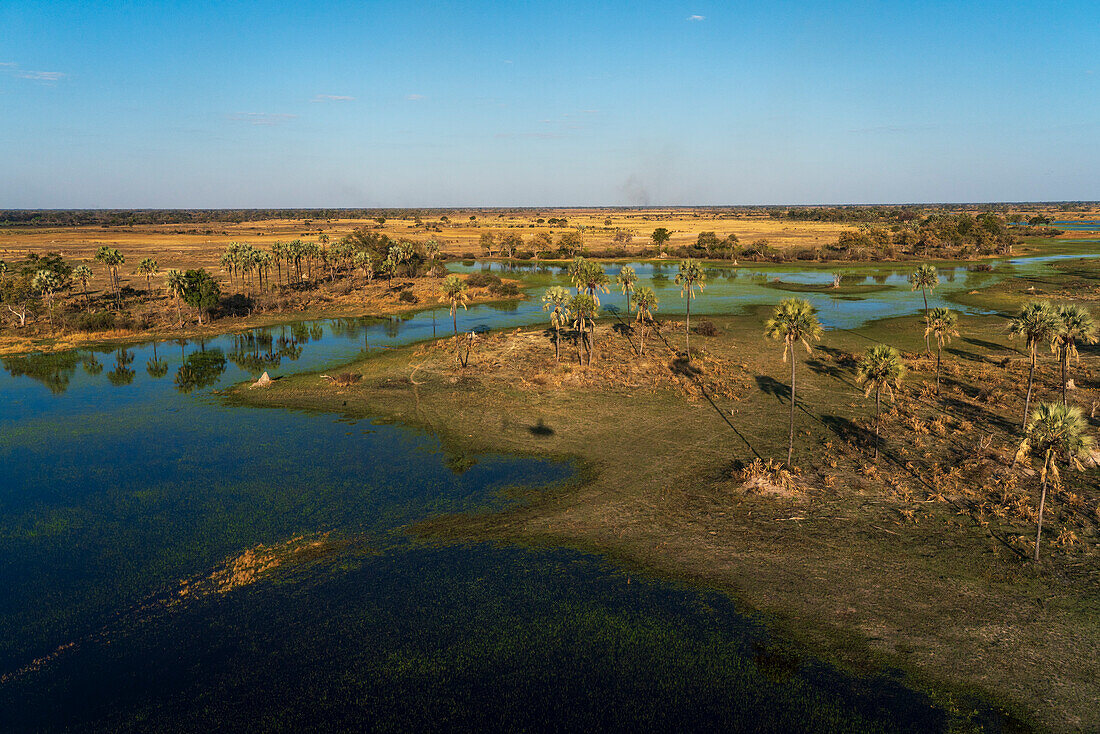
[{"x": 920, "y": 561}]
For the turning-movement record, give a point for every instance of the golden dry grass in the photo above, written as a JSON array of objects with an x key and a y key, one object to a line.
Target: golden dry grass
[{"x": 199, "y": 245}]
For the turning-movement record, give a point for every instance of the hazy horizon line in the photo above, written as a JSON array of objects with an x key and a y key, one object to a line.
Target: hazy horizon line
[{"x": 486, "y": 207}]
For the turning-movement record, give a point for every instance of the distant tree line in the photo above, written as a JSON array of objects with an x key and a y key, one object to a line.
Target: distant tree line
[
  {"x": 140, "y": 217},
  {"x": 46, "y": 288}
]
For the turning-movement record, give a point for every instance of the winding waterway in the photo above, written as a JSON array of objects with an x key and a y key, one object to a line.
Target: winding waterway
[{"x": 124, "y": 475}]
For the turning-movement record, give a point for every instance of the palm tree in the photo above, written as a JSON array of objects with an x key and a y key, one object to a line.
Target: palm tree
[
  {"x": 365, "y": 262},
  {"x": 558, "y": 297},
  {"x": 278, "y": 252},
  {"x": 1035, "y": 324},
  {"x": 112, "y": 258},
  {"x": 148, "y": 268},
  {"x": 431, "y": 249},
  {"x": 176, "y": 286},
  {"x": 46, "y": 282},
  {"x": 83, "y": 274},
  {"x": 1054, "y": 432},
  {"x": 589, "y": 276},
  {"x": 691, "y": 275},
  {"x": 1073, "y": 324},
  {"x": 626, "y": 280},
  {"x": 584, "y": 309},
  {"x": 793, "y": 321},
  {"x": 454, "y": 293},
  {"x": 925, "y": 278},
  {"x": 941, "y": 323},
  {"x": 880, "y": 369},
  {"x": 645, "y": 303}
]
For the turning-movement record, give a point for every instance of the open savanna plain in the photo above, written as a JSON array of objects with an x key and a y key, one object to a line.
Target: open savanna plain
[
  {"x": 200, "y": 245},
  {"x": 919, "y": 563},
  {"x": 194, "y": 245}
]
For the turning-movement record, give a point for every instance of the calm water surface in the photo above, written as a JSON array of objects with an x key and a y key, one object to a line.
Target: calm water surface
[{"x": 124, "y": 473}]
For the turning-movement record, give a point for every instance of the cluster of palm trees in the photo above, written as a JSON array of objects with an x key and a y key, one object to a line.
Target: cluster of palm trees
[
  {"x": 242, "y": 262},
  {"x": 1054, "y": 432},
  {"x": 113, "y": 259},
  {"x": 1062, "y": 328},
  {"x": 581, "y": 309}
]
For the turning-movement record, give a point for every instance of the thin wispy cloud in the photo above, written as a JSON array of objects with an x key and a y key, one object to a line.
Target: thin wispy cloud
[
  {"x": 262, "y": 118},
  {"x": 332, "y": 98},
  {"x": 415, "y": 97},
  {"x": 46, "y": 77},
  {"x": 41, "y": 76},
  {"x": 696, "y": 18}
]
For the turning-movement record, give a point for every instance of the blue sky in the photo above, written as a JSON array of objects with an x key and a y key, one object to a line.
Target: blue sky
[{"x": 266, "y": 104}]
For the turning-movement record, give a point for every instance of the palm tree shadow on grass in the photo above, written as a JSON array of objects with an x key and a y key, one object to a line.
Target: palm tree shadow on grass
[
  {"x": 771, "y": 386},
  {"x": 848, "y": 430},
  {"x": 974, "y": 413},
  {"x": 825, "y": 369},
  {"x": 964, "y": 354},
  {"x": 993, "y": 347}
]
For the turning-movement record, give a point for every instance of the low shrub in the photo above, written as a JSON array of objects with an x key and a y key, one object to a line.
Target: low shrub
[
  {"x": 407, "y": 297},
  {"x": 92, "y": 321},
  {"x": 706, "y": 328},
  {"x": 483, "y": 280}
]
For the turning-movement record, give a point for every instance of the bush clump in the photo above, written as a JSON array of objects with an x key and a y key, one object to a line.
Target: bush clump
[
  {"x": 706, "y": 328},
  {"x": 93, "y": 321},
  {"x": 407, "y": 297},
  {"x": 483, "y": 280}
]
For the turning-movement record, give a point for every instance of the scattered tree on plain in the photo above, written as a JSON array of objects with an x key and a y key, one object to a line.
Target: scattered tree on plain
[
  {"x": 793, "y": 322},
  {"x": 1054, "y": 433},
  {"x": 880, "y": 369}
]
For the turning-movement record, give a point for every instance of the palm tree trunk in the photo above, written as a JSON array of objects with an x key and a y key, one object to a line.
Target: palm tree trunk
[
  {"x": 927, "y": 346},
  {"x": 939, "y": 358},
  {"x": 454, "y": 317},
  {"x": 1042, "y": 504},
  {"x": 1030, "y": 379},
  {"x": 557, "y": 344},
  {"x": 687, "y": 327},
  {"x": 790, "y": 441},
  {"x": 591, "y": 341},
  {"x": 1065, "y": 358},
  {"x": 878, "y": 413}
]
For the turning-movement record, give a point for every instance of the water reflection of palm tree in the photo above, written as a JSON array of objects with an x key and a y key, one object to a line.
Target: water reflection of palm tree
[
  {"x": 53, "y": 370},
  {"x": 91, "y": 365},
  {"x": 156, "y": 367},
  {"x": 122, "y": 374}
]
